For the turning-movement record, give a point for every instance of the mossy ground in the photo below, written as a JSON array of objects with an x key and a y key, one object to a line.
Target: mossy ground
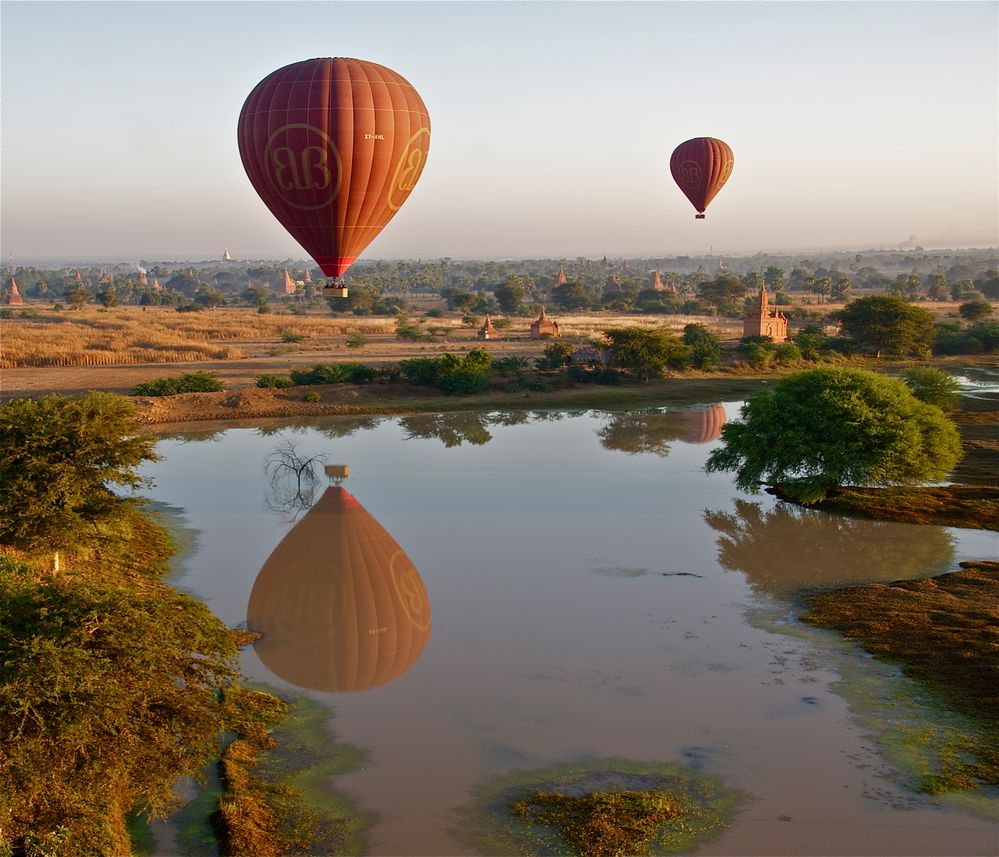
[
  {"x": 595, "y": 808},
  {"x": 277, "y": 796},
  {"x": 943, "y": 633}
]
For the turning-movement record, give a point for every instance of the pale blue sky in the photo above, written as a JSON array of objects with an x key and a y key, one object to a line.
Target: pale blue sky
[{"x": 854, "y": 124}]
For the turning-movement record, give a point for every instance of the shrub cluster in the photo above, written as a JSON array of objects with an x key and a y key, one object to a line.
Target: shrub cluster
[
  {"x": 192, "y": 382},
  {"x": 334, "y": 373},
  {"x": 980, "y": 338},
  {"x": 450, "y": 373}
]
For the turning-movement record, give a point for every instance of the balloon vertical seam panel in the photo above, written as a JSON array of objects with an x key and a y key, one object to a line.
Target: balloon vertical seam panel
[
  {"x": 369, "y": 225},
  {"x": 362, "y": 157}
]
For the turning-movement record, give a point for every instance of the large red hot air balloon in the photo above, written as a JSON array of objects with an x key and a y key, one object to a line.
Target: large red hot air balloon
[
  {"x": 700, "y": 167},
  {"x": 334, "y": 146}
]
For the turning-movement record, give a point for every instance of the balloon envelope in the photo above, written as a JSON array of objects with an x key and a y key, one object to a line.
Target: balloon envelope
[
  {"x": 340, "y": 605},
  {"x": 334, "y": 146},
  {"x": 700, "y": 167}
]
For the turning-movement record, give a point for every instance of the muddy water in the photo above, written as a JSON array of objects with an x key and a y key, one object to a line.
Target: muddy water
[{"x": 593, "y": 594}]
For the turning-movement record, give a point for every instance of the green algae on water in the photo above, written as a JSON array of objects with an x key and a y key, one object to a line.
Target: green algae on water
[{"x": 598, "y": 807}]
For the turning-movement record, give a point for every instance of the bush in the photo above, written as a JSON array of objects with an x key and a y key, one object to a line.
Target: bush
[
  {"x": 334, "y": 373},
  {"x": 509, "y": 367},
  {"x": 193, "y": 382},
  {"x": 759, "y": 354},
  {"x": 450, "y": 373},
  {"x": 274, "y": 382},
  {"x": 986, "y": 332},
  {"x": 356, "y": 339},
  {"x": 787, "y": 354},
  {"x": 463, "y": 382},
  {"x": 595, "y": 375},
  {"x": 556, "y": 356},
  {"x": 949, "y": 341},
  {"x": 311, "y": 396},
  {"x": 932, "y": 386},
  {"x": 289, "y": 336}
]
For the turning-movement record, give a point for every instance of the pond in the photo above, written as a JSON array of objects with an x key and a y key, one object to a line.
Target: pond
[{"x": 565, "y": 587}]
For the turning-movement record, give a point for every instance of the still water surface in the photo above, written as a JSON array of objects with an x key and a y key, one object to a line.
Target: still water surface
[{"x": 593, "y": 593}]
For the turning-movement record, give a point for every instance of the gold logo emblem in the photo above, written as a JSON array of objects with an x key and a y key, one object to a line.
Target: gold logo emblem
[
  {"x": 408, "y": 169},
  {"x": 689, "y": 174},
  {"x": 303, "y": 166}
]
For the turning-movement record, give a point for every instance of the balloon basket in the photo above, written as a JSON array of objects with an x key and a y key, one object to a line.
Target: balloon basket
[
  {"x": 335, "y": 290},
  {"x": 699, "y": 216}
]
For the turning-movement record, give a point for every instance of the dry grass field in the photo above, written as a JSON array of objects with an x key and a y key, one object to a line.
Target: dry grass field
[
  {"x": 96, "y": 349},
  {"x": 119, "y": 348}
]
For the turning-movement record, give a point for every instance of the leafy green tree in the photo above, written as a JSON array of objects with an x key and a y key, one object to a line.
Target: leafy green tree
[
  {"x": 510, "y": 295},
  {"x": 841, "y": 288},
  {"x": 986, "y": 332},
  {"x": 76, "y": 298},
  {"x": 724, "y": 293},
  {"x": 59, "y": 458},
  {"x": 758, "y": 351},
  {"x": 828, "y": 427},
  {"x": 556, "y": 356},
  {"x": 988, "y": 284},
  {"x": 933, "y": 386},
  {"x": 108, "y": 297},
  {"x": 774, "y": 277},
  {"x": 705, "y": 347},
  {"x": 887, "y": 324},
  {"x": 648, "y": 351},
  {"x": 571, "y": 296},
  {"x": 937, "y": 287},
  {"x": 975, "y": 310},
  {"x": 107, "y": 696}
]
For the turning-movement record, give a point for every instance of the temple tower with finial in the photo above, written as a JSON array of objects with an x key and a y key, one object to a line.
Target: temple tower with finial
[
  {"x": 487, "y": 331},
  {"x": 13, "y": 296},
  {"x": 764, "y": 320},
  {"x": 544, "y": 326}
]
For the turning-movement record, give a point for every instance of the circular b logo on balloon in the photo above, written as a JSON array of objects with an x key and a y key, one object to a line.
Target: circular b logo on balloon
[
  {"x": 408, "y": 168},
  {"x": 303, "y": 166},
  {"x": 689, "y": 174},
  {"x": 410, "y": 591}
]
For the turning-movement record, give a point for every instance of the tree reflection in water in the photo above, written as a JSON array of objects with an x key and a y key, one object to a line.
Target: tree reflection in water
[
  {"x": 450, "y": 429},
  {"x": 652, "y": 432},
  {"x": 790, "y": 548},
  {"x": 292, "y": 479}
]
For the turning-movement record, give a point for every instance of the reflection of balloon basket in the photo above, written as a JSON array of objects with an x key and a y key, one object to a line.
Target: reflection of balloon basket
[
  {"x": 335, "y": 289},
  {"x": 699, "y": 216}
]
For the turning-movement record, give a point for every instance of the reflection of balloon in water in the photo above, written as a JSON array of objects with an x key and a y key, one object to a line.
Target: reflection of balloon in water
[
  {"x": 334, "y": 146},
  {"x": 339, "y": 603},
  {"x": 704, "y": 424},
  {"x": 700, "y": 167}
]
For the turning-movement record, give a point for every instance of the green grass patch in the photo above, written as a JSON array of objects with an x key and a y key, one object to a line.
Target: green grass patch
[
  {"x": 595, "y": 808},
  {"x": 943, "y": 633}
]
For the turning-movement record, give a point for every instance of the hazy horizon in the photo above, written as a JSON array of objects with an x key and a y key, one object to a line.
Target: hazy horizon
[{"x": 854, "y": 125}]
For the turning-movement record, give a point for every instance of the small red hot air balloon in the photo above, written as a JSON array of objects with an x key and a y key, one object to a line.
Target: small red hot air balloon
[
  {"x": 700, "y": 167},
  {"x": 334, "y": 146}
]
